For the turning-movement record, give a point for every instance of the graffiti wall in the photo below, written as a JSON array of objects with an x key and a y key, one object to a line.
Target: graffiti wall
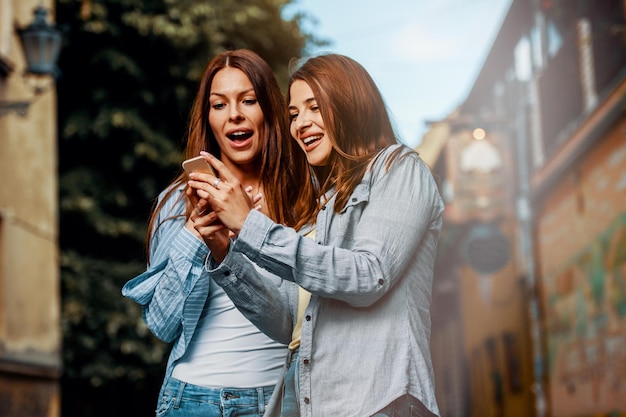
[
  {"x": 582, "y": 254},
  {"x": 586, "y": 328}
]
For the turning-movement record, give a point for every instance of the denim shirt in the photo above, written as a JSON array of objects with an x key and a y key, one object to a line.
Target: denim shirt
[
  {"x": 366, "y": 330},
  {"x": 174, "y": 289}
]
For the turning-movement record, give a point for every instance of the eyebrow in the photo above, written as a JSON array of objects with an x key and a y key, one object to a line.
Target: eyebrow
[{"x": 244, "y": 92}]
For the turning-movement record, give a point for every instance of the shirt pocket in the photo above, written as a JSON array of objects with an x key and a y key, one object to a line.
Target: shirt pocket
[
  {"x": 344, "y": 224},
  {"x": 360, "y": 196}
]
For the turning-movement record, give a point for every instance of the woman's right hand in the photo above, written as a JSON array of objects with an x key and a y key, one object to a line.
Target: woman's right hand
[
  {"x": 204, "y": 223},
  {"x": 211, "y": 230}
]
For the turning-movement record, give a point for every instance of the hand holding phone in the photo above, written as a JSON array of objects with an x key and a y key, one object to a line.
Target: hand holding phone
[{"x": 198, "y": 164}]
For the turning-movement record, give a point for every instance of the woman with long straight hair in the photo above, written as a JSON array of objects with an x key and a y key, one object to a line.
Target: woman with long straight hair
[{"x": 220, "y": 363}]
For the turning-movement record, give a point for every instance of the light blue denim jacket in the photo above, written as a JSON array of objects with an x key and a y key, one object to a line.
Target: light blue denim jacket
[
  {"x": 365, "y": 333},
  {"x": 174, "y": 289}
]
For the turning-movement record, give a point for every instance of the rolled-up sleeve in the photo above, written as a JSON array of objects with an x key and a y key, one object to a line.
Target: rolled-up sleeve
[{"x": 168, "y": 288}]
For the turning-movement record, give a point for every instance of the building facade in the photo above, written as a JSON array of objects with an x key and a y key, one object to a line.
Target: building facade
[
  {"x": 533, "y": 172},
  {"x": 30, "y": 330}
]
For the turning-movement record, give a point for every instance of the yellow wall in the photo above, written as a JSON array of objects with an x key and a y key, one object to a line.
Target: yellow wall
[
  {"x": 30, "y": 333},
  {"x": 492, "y": 323},
  {"x": 495, "y": 308}
]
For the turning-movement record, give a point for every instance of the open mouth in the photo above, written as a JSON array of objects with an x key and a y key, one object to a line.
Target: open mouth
[
  {"x": 240, "y": 135},
  {"x": 312, "y": 139}
]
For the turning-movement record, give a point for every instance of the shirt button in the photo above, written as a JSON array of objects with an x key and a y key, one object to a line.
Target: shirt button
[
  {"x": 306, "y": 400},
  {"x": 354, "y": 199},
  {"x": 226, "y": 273},
  {"x": 306, "y": 361},
  {"x": 323, "y": 208},
  {"x": 381, "y": 281},
  {"x": 308, "y": 318}
]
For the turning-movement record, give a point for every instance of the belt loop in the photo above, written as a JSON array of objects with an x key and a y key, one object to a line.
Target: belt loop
[
  {"x": 261, "y": 394},
  {"x": 179, "y": 397},
  {"x": 291, "y": 355}
]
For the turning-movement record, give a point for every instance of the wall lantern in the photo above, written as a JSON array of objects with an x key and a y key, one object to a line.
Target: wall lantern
[{"x": 41, "y": 43}]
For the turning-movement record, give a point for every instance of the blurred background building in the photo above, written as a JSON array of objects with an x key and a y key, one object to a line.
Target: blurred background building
[
  {"x": 529, "y": 304},
  {"x": 30, "y": 323}
]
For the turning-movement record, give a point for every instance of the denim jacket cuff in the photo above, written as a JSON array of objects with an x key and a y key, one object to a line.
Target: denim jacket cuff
[
  {"x": 193, "y": 248},
  {"x": 252, "y": 235}
]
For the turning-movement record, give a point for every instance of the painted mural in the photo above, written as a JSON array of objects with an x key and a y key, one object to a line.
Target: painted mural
[{"x": 586, "y": 328}]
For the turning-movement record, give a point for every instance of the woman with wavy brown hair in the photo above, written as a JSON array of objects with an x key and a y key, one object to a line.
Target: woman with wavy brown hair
[{"x": 220, "y": 363}]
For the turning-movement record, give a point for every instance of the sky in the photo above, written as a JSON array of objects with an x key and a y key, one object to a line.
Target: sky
[{"x": 424, "y": 55}]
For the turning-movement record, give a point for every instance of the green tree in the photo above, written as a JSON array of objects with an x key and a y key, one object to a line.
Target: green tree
[{"x": 129, "y": 71}]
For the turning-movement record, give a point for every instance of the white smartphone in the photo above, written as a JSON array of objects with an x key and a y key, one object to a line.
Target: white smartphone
[{"x": 198, "y": 164}]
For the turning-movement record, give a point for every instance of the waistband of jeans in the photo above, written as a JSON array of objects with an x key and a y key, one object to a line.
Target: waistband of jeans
[
  {"x": 292, "y": 355},
  {"x": 174, "y": 385}
]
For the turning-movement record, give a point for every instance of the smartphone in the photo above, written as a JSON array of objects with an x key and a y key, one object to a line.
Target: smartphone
[{"x": 198, "y": 164}]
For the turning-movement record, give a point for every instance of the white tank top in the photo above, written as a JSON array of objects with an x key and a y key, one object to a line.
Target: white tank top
[{"x": 227, "y": 350}]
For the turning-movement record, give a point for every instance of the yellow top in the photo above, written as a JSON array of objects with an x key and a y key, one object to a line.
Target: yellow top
[{"x": 303, "y": 301}]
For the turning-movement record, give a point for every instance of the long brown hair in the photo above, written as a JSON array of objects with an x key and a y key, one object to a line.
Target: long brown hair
[
  {"x": 280, "y": 163},
  {"x": 355, "y": 118}
]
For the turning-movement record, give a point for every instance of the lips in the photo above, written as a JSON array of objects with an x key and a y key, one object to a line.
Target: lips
[
  {"x": 239, "y": 135},
  {"x": 311, "y": 139}
]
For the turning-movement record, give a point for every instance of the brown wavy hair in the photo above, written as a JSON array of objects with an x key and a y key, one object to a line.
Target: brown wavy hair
[
  {"x": 355, "y": 118},
  {"x": 280, "y": 162}
]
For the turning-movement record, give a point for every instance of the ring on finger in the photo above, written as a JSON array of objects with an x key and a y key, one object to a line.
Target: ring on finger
[{"x": 216, "y": 182}]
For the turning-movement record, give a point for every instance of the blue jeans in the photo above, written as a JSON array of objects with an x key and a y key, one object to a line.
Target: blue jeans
[
  {"x": 180, "y": 399},
  {"x": 405, "y": 406},
  {"x": 290, "y": 404}
]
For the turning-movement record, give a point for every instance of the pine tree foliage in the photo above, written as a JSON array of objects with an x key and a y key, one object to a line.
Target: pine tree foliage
[{"x": 129, "y": 72}]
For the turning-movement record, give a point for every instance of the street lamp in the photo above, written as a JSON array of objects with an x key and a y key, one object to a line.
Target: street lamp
[{"x": 41, "y": 43}]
